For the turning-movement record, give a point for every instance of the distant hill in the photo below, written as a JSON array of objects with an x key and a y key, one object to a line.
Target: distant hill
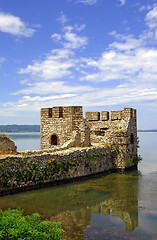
[
  {"x": 152, "y": 130},
  {"x": 19, "y": 128}
]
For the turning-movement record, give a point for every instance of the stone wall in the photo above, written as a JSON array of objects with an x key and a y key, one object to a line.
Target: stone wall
[
  {"x": 30, "y": 171},
  {"x": 7, "y": 146}
]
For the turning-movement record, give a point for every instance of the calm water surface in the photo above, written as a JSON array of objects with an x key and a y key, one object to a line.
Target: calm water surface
[
  {"x": 26, "y": 141},
  {"x": 117, "y": 206}
]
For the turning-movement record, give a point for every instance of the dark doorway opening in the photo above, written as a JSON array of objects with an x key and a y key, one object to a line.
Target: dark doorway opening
[{"x": 54, "y": 139}]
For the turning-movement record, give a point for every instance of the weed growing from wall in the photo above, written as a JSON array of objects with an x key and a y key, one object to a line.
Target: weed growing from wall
[
  {"x": 20, "y": 171},
  {"x": 137, "y": 159}
]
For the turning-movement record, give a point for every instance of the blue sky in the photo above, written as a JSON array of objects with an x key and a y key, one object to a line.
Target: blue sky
[{"x": 100, "y": 54}]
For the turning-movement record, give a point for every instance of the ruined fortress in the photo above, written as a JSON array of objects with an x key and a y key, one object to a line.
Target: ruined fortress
[
  {"x": 72, "y": 147},
  {"x": 65, "y": 126}
]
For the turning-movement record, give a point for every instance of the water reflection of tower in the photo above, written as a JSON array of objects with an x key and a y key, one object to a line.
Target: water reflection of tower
[
  {"x": 123, "y": 202},
  {"x": 114, "y": 195},
  {"x": 129, "y": 216}
]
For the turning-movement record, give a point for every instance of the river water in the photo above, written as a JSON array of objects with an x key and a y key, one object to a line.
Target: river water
[{"x": 118, "y": 206}]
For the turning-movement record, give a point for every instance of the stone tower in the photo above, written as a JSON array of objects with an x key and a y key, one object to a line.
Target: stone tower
[
  {"x": 66, "y": 126},
  {"x": 59, "y": 125}
]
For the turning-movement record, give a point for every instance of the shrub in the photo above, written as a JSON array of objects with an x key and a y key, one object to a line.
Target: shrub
[{"x": 13, "y": 225}]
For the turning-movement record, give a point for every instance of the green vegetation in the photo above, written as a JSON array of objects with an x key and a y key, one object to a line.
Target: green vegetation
[
  {"x": 86, "y": 123},
  {"x": 13, "y": 226},
  {"x": 128, "y": 162},
  {"x": 106, "y": 145},
  {"x": 137, "y": 159},
  {"x": 19, "y": 128},
  {"x": 21, "y": 171}
]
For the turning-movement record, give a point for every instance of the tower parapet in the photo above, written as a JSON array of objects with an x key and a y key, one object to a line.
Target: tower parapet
[
  {"x": 74, "y": 112},
  {"x": 115, "y": 115}
]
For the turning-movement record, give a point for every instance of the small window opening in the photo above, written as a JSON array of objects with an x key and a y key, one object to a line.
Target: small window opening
[
  {"x": 99, "y": 133},
  {"x": 132, "y": 138},
  {"x": 60, "y": 112},
  {"x": 50, "y": 113}
]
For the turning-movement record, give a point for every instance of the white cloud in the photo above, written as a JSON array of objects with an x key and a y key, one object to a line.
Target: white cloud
[
  {"x": 87, "y": 2},
  {"x": 69, "y": 39},
  {"x": 122, "y": 2},
  {"x": 100, "y": 97},
  {"x": 54, "y": 87},
  {"x": 129, "y": 64},
  {"x": 125, "y": 42},
  {"x": 2, "y": 60},
  {"x": 62, "y": 18},
  {"x": 56, "y": 65},
  {"x": 138, "y": 67},
  {"x": 80, "y": 28},
  {"x": 74, "y": 41},
  {"x": 143, "y": 8},
  {"x": 151, "y": 18},
  {"x": 97, "y": 98},
  {"x": 127, "y": 59},
  {"x": 24, "y": 81},
  {"x": 14, "y": 25},
  {"x": 57, "y": 37},
  {"x": 44, "y": 99},
  {"x": 59, "y": 62}
]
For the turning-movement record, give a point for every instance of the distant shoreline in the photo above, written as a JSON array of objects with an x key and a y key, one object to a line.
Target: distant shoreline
[{"x": 14, "y": 128}]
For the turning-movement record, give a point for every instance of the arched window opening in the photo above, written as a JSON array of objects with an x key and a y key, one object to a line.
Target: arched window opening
[
  {"x": 54, "y": 139},
  {"x": 132, "y": 138}
]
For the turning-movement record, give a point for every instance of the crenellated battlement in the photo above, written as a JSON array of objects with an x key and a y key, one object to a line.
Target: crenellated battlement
[
  {"x": 115, "y": 115},
  {"x": 74, "y": 112}
]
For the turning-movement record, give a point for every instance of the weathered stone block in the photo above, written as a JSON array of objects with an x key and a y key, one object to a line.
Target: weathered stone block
[
  {"x": 128, "y": 112},
  {"x": 93, "y": 116},
  {"x": 116, "y": 115},
  {"x": 104, "y": 116}
]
